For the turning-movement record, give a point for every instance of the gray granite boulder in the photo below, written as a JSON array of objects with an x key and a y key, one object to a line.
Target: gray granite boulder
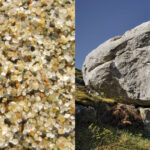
[{"x": 120, "y": 67}]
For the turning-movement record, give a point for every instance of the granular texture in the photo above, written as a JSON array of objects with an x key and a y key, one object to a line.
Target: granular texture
[{"x": 37, "y": 50}]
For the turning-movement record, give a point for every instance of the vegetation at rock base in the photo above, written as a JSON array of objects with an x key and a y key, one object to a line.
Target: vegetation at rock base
[
  {"x": 78, "y": 73},
  {"x": 85, "y": 95},
  {"x": 94, "y": 136}
]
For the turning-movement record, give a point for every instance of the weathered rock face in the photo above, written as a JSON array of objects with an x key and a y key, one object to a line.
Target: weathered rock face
[
  {"x": 145, "y": 115},
  {"x": 85, "y": 114},
  {"x": 120, "y": 67}
]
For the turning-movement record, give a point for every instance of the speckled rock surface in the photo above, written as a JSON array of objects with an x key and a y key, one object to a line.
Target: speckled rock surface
[
  {"x": 120, "y": 66},
  {"x": 145, "y": 114},
  {"x": 37, "y": 48}
]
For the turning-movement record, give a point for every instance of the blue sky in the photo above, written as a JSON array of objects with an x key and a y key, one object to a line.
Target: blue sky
[{"x": 99, "y": 20}]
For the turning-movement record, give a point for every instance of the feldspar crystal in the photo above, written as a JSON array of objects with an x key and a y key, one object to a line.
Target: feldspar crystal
[{"x": 37, "y": 50}]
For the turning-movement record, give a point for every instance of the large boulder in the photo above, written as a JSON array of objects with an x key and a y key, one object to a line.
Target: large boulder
[{"x": 120, "y": 67}]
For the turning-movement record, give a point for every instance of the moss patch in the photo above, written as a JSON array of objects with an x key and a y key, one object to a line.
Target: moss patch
[{"x": 108, "y": 100}]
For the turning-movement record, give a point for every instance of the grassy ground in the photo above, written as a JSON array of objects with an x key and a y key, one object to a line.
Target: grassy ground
[
  {"x": 104, "y": 137},
  {"x": 94, "y": 137}
]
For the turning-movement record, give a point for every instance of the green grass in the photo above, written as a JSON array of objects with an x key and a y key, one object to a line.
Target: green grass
[
  {"x": 109, "y": 138},
  {"x": 90, "y": 99},
  {"x": 78, "y": 73},
  {"x": 83, "y": 98}
]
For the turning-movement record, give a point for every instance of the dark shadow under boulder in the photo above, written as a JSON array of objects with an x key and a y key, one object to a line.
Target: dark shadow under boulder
[{"x": 119, "y": 115}]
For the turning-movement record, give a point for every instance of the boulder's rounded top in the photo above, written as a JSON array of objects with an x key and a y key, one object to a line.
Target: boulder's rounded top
[
  {"x": 142, "y": 28},
  {"x": 120, "y": 66}
]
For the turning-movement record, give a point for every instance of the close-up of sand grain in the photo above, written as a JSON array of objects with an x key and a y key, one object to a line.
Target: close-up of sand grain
[{"x": 37, "y": 50}]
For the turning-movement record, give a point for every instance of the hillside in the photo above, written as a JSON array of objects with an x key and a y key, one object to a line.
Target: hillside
[{"x": 104, "y": 124}]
